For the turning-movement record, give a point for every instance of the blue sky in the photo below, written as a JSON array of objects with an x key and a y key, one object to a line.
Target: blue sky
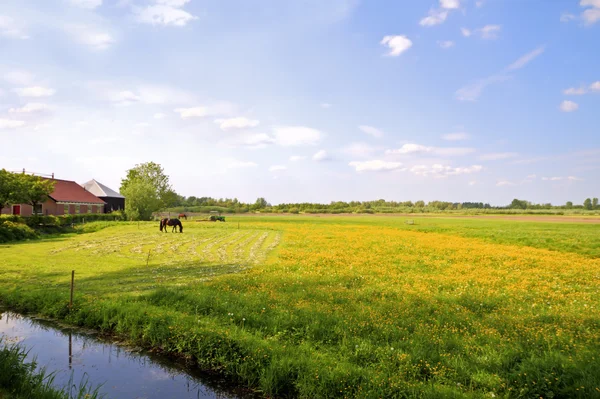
[{"x": 308, "y": 100}]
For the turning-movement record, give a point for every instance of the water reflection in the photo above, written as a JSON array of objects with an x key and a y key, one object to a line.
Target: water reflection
[{"x": 123, "y": 373}]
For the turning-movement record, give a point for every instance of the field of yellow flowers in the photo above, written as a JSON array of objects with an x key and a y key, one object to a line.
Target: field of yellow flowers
[{"x": 340, "y": 307}]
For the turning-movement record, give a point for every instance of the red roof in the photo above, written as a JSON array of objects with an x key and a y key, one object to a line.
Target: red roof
[{"x": 69, "y": 191}]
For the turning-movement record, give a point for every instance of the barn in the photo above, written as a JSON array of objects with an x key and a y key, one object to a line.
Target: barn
[
  {"x": 68, "y": 198},
  {"x": 114, "y": 200}
]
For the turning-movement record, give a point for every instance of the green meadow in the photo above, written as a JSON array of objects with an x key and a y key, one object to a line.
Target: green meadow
[{"x": 337, "y": 306}]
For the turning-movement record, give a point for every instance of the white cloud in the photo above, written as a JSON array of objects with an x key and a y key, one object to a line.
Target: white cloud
[
  {"x": 34, "y": 91},
  {"x": 293, "y": 136},
  {"x": 91, "y": 37},
  {"x": 440, "y": 171},
  {"x": 567, "y": 17},
  {"x": 397, "y": 44},
  {"x": 472, "y": 91},
  {"x": 159, "y": 115},
  {"x": 502, "y": 183},
  {"x": 375, "y": 166},
  {"x": 10, "y": 124},
  {"x": 435, "y": 17},
  {"x": 194, "y": 112},
  {"x": 173, "y": 3},
  {"x": 89, "y": 4},
  {"x": 359, "y": 150},
  {"x": 489, "y": 32},
  {"x": 241, "y": 165},
  {"x": 572, "y": 91},
  {"x": 204, "y": 111},
  {"x": 165, "y": 14},
  {"x": 450, "y": 4},
  {"x": 455, "y": 136},
  {"x": 497, "y": 156},
  {"x": 591, "y": 15},
  {"x": 277, "y": 168},
  {"x": 568, "y": 106},
  {"x": 321, "y": 156},
  {"x": 18, "y": 77},
  {"x": 371, "y": 131},
  {"x": 595, "y": 86},
  {"x": 325, "y": 105},
  {"x": 296, "y": 158},
  {"x": 445, "y": 44},
  {"x": 30, "y": 108},
  {"x": 526, "y": 59},
  {"x": 255, "y": 141},
  {"x": 11, "y": 29},
  {"x": 417, "y": 149},
  {"x": 560, "y": 178},
  {"x": 531, "y": 176},
  {"x": 236, "y": 123}
]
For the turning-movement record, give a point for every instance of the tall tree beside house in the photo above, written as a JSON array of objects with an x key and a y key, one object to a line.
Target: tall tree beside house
[
  {"x": 594, "y": 203},
  {"x": 153, "y": 174},
  {"x": 147, "y": 190},
  {"x": 142, "y": 199},
  {"x": 587, "y": 204},
  {"x": 8, "y": 188},
  {"x": 32, "y": 190}
]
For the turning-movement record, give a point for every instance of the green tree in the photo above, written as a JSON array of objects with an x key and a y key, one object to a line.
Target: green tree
[
  {"x": 260, "y": 203},
  {"x": 587, "y": 204},
  {"x": 519, "y": 204},
  {"x": 569, "y": 205},
  {"x": 8, "y": 188},
  {"x": 153, "y": 174},
  {"x": 420, "y": 204},
  {"x": 594, "y": 203},
  {"x": 33, "y": 190},
  {"x": 141, "y": 199}
]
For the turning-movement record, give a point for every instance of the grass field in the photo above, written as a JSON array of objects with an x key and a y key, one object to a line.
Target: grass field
[{"x": 363, "y": 307}]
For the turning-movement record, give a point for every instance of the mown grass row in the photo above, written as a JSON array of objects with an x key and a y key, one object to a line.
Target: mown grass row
[{"x": 344, "y": 310}]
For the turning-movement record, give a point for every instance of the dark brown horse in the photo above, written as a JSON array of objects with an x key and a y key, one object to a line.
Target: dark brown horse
[
  {"x": 171, "y": 222},
  {"x": 182, "y": 216}
]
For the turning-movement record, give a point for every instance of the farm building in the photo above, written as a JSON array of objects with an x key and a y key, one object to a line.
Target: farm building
[
  {"x": 114, "y": 200},
  {"x": 67, "y": 198}
]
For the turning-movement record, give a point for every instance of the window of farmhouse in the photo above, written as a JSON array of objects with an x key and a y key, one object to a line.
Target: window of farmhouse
[
  {"x": 37, "y": 210},
  {"x": 77, "y": 210},
  {"x": 89, "y": 208},
  {"x": 66, "y": 212}
]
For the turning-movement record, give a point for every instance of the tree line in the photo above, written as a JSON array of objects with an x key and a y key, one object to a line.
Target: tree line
[{"x": 21, "y": 188}]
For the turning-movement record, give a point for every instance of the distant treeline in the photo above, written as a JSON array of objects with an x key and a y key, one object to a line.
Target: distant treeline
[{"x": 227, "y": 205}]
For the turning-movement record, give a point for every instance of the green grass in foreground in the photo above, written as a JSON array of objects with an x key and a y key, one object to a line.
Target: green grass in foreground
[{"x": 339, "y": 306}]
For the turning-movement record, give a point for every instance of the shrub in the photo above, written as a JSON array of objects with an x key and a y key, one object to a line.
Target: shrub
[{"x": 11, "y": 231}]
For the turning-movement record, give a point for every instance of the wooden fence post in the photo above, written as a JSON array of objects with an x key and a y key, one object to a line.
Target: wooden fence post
[{"x": 72, "y": 288}]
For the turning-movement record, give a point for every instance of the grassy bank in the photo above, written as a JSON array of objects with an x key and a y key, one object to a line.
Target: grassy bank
[
  {"x": 20, "y": 379},
  {"x": 339, "y": 307}
]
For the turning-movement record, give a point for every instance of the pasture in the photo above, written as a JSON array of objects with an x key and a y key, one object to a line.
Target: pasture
[{"x": 364, "y": 307}]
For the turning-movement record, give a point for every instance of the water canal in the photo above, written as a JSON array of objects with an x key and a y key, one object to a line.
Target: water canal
[{"x": 123, "y": 373}]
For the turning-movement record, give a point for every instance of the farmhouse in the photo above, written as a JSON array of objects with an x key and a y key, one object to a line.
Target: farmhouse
[
  {"x": 67, "y": 198},
  {"x": 114, "y": 200}
]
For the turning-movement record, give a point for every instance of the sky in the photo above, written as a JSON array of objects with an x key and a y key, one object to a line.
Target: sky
[{"x": 308, "y": 100}]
